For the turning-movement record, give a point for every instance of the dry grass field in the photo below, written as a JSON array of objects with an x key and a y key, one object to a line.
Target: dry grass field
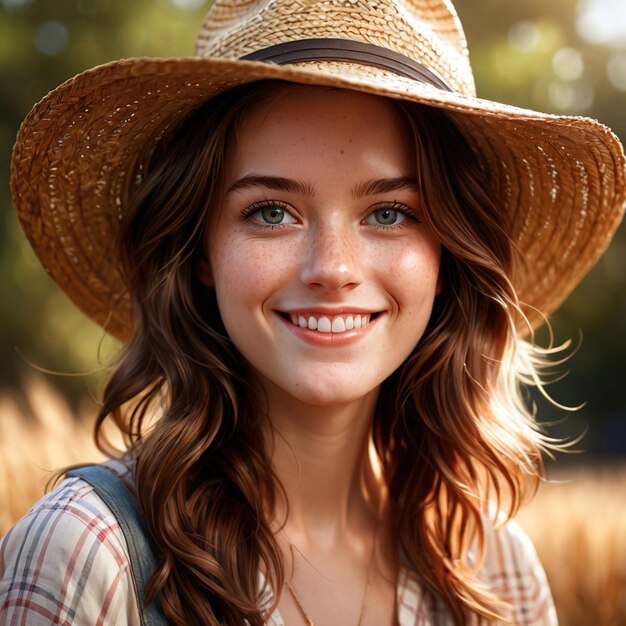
[
  {"x": 577, "y": 521},
  {"x": 578, "y": 524}
]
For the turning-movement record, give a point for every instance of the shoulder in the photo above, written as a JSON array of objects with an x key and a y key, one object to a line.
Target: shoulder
[
  {"x": 66, "y": 561},
  {"x": 513, "y": 572}
]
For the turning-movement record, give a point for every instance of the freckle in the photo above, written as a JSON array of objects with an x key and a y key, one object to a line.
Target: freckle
[{"x": 340, "y": 151}]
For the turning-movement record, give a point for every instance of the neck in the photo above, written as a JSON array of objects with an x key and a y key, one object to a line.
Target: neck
[{"x": 323, "y": 459}]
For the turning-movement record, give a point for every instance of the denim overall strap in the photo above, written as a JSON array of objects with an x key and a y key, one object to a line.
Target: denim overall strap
[{"x": 124, "y": 506}]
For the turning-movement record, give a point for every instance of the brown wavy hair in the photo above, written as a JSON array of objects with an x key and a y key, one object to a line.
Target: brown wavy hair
[{"x": 451, "y": 427}]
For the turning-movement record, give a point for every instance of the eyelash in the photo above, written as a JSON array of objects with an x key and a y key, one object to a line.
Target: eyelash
[{"x": 248, "y": 212}]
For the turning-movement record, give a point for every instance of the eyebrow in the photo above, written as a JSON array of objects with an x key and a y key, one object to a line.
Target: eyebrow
[
  {"x": 272, "y": 182},
  {"x": 279, "y": 183},
  {"x": 385, "y": 185}
]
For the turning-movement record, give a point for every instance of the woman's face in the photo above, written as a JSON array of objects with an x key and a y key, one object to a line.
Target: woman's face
[{"x": 325, "y": 275}]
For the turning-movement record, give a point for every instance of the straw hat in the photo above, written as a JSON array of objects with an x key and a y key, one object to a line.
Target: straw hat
[{"x": 561, "y": 180}]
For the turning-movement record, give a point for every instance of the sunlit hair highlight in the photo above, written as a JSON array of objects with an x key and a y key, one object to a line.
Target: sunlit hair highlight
[{"x": 452, "y": 429}]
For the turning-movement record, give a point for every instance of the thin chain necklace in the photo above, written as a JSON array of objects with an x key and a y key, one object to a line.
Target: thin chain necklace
[{"x": 296, "y": 599}]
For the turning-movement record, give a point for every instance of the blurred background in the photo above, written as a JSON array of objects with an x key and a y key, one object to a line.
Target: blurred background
[{"x": 560, "y": 56}]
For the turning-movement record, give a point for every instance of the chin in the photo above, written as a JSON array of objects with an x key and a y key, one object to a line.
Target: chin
[{"x": 330, "y": 395}]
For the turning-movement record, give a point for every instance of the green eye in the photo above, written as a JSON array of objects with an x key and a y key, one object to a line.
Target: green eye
[
  {"x": 272, "y": 214},
  {"x": 269, "y": 214},
  {"x": 385, "y": 217}
]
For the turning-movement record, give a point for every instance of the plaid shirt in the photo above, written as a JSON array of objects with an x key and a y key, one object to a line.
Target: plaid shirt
[{"x": 66, "y": 563}]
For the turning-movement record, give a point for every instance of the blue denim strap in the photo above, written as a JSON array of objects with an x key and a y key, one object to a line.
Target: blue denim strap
[{"x": 123, "y": 505}]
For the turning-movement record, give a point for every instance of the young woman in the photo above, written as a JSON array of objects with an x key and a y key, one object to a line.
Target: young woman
[{"x": 322, "y": 252}]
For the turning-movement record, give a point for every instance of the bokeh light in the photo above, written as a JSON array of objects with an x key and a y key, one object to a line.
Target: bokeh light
[
  {"x": 568, "y": 64},
  {"x": 616, "y": 70},
  {"x": 15, "y": 4},
  {"x": 602, "y": 22},
  {"x": 188, "y": 4},
  {"x": 524, "y": 36},
  {"x": 51, "y": 38},
  {"x": 570, "y": 97}
]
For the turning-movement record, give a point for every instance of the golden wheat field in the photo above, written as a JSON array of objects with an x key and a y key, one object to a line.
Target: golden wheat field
[{"x": 577, "y": 520}]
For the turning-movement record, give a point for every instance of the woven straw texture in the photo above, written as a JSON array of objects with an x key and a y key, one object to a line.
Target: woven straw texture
[{"x": 560, "y": 180}]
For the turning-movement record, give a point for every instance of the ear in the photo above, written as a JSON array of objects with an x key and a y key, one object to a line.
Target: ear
[{"x": 204, "y": 273}]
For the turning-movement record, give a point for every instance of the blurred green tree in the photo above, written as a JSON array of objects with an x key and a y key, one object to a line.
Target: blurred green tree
[{"x": 44, "y": 43}]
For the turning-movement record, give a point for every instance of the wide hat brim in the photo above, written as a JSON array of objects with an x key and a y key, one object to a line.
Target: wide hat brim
[{"x": 559, "y": 180}]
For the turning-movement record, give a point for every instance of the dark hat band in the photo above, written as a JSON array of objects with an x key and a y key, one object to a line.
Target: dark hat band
[{"x": 305, "y": 50}]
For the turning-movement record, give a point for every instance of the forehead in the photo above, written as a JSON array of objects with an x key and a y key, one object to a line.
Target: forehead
[{"x": 297, "y": 127}]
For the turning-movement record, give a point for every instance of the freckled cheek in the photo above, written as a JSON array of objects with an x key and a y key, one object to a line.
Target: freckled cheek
[
  {"x": 411, "y": 272},
  {"x": 410, "y": 261},
  {"x": 248, "y": 273},
  {"x": 422, "y": 262}
]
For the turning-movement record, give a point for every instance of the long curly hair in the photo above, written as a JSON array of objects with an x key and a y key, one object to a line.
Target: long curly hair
[{"x": 451, "y": 426}]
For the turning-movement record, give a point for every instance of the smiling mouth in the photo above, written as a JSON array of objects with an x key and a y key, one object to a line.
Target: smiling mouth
[{"x": 331, "y": 323}]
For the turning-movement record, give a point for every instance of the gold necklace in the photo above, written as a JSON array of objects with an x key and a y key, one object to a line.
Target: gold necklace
[{"x": 292, "y": 591}]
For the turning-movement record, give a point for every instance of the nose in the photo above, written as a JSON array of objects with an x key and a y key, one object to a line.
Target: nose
[{"x": 333, "y": 260}]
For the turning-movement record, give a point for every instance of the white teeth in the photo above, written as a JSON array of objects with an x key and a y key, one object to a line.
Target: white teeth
[
  {"x": 338, "y": 326},
  {"x": 323, "y": 325},
  {"x": 334, "y": 324}
]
